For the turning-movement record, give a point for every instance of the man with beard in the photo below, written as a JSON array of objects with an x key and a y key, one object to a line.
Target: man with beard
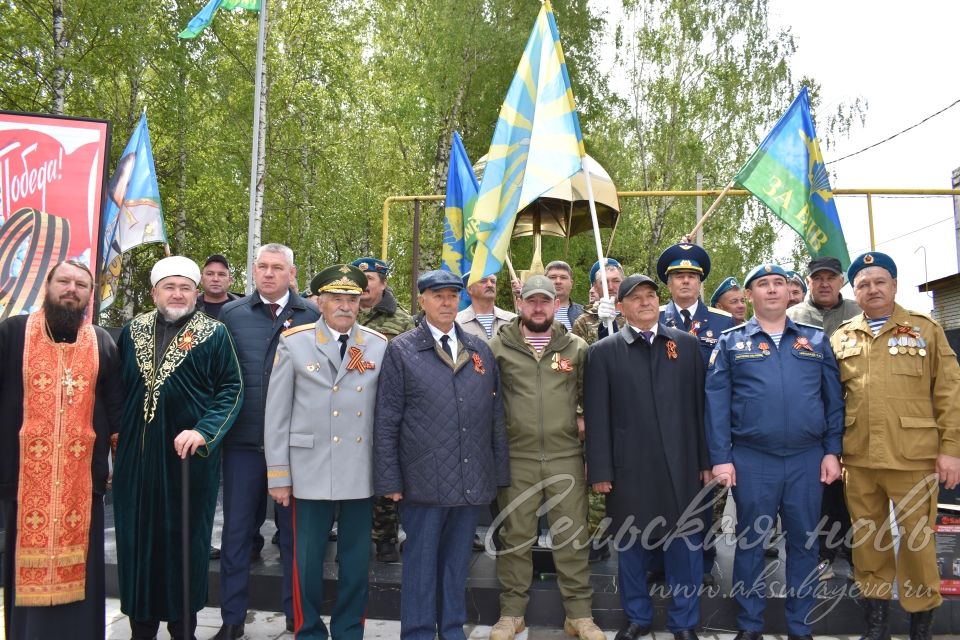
[
  {"x": 182, "y": 386},
  {"x": 58, "y": 393},
  {"x": 483, "y": 318},
  {"x": 643, "y": 403},
  {"x": 541, "y": 369},
  {"x": 379, "y": 311}
]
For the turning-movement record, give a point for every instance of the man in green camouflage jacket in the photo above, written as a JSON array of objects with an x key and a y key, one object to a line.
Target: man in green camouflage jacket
[{"x": 379, "y": 311}]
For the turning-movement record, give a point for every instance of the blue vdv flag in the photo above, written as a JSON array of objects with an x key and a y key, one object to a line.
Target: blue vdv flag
[
  {"x": 536, "y": 145},
  {"x": 458, "y": 206},
  {"x": 132, "y": 214}
]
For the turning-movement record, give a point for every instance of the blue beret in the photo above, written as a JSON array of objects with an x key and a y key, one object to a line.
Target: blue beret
[
  {"x": 371, "y": 265},
  {"x": 438, "y": 279},
  {"x": 683, "y": 257},
  {"x": 871, "y": 259},
  {"x": 793, "y": 276},
  {"x": 595, "y": 269},
  {"x": 726, "y": 285},
  {"x": 762, "y": 270}
]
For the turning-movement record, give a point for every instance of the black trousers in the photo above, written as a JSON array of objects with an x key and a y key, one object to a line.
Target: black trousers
[
  {"x": 834, "y": 516},
  {"x": 147, "y": 629}
]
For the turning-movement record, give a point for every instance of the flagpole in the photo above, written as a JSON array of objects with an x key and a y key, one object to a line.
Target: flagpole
[
  {"x": 596, "y": 238},
  {"x": 713, "y": 207},
  {"x": 259, "y": 122}
]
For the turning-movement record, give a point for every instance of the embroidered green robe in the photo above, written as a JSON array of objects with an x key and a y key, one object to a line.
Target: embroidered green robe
[{"x": 197, "y": 385}]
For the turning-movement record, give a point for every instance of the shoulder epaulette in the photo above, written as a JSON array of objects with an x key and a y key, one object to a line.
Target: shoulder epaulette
[
  {"x": 921, "y": 314},
  {"x": 719, "y": 311},
  {"x": 808, "y": 326},
  {"x": 371, "y": 331},
  {"x": 849, "y": 320},
  {"x": 663, "y": 307},
  {"x": 299, "y": 328},
  {"x": 739, "y": 326}
]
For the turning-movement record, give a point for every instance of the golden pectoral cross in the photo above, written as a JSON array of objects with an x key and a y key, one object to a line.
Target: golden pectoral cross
[{"x": 72, "y": 385}]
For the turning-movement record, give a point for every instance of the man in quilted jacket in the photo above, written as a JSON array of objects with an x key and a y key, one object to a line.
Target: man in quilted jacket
[{"x": 440, "y": 450}]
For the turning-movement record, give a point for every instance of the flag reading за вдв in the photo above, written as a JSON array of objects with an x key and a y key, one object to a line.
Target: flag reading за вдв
[
  {"x": 787, "y": 174},
  {"x": 536, "y": 145}
]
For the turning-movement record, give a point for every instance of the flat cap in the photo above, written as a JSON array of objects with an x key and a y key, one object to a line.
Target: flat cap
[
  {"x": 339, "y": 278},
  {"x": 372, "y": 265},
  {"x": 595, "y": 269},
  {"x": 438, "y": 279},
  {"x": 538, "y": 284},
  {"x": 871, "y": 259},
  {"x": 726, "y": 285},
  {"x": 762, "y": 270},
  {"x": 633, "y": 281},
  {"x": 175, "y": 266},
  {"x": 683, "y": 257}
]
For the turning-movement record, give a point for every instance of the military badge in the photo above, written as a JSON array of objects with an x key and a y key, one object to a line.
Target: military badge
[
  {"x": 709, "y": 334},
  {"x": 357, "y": 363},
  {"x": 186, "y": 341},
  {"x": 764, "y": 348},
  {"x": 695, "y": 327},
  {"x": 563, "y": 365},
  {"x": 802, "y": 343},
  {"x": 287, "y": 323},
  {"x": 478, "y": 364},
  {"x": 672, "y": 350},
  {"x": 713, "y": 357},
  {"x": 740, "y": 346}
]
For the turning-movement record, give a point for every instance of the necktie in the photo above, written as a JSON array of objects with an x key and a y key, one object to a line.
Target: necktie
[
  {"x": 686, "y": 319},
  {"x": 343, "y": 344},
  {"x": 445, "y": 345},
  {"x": 274, "y": 309},
  {"x": 648, "y": 336}
]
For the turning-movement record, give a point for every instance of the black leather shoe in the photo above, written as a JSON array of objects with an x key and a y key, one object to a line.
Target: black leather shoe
[
  {"x": 254, "y": 555},
  {"x": 229, "y": 632},
  {"x": 877, "y": 613},
  {"x": 749, "y": 635},
  {"x": 387, "y": 552},
  {"x": 289, "y": 625},
  {"x": 214, "y": 553},
  {"x": 921, "y": 625},
  {"x": 688, "y": 634},
  {"x": 632, "y": 631}
]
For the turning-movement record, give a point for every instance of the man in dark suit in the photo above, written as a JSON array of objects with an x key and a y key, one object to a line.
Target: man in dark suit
[{"x": 643, "y": 400}]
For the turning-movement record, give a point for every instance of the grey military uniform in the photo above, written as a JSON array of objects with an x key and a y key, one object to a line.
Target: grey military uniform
[{"x": 318, "y": 429}]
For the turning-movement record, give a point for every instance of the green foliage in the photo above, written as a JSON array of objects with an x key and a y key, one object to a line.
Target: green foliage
[{"x": 363, "y": 97}]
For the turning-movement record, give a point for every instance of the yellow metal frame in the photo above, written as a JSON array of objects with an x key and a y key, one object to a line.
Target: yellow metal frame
[{"x": 689, "y": 194}]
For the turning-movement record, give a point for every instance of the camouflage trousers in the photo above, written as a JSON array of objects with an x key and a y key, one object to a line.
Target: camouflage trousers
[
  {"x": 386, "y": 520},
  {"x": 596, "y": 510}
]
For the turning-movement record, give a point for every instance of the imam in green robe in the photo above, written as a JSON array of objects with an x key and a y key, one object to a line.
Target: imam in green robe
[{"x": 176, "y": 376}]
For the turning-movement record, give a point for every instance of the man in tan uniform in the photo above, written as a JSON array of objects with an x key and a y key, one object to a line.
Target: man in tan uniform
[{"x": 902, "y": 389}]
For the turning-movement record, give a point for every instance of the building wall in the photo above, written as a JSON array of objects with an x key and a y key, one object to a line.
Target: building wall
[{"x": 946, "y": 306}]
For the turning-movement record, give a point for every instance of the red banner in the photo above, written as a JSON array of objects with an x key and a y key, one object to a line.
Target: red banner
[{"x": 52, "y": 173}]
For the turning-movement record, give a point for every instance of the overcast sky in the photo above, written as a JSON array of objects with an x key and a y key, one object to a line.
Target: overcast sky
[{"x": 901, "y": 59}]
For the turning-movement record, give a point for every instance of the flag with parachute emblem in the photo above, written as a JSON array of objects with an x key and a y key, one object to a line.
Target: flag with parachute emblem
[
  {"x": 131, "y": 214},
  {"x": 536, "y": 145},
  {"x": 788, "y": 175}
]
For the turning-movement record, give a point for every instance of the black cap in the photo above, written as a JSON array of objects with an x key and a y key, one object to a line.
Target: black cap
[
  {"x": 218, "y": 258},
  {"x": 632, "y": 282},
  {"x": 824, "y": 262}
]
